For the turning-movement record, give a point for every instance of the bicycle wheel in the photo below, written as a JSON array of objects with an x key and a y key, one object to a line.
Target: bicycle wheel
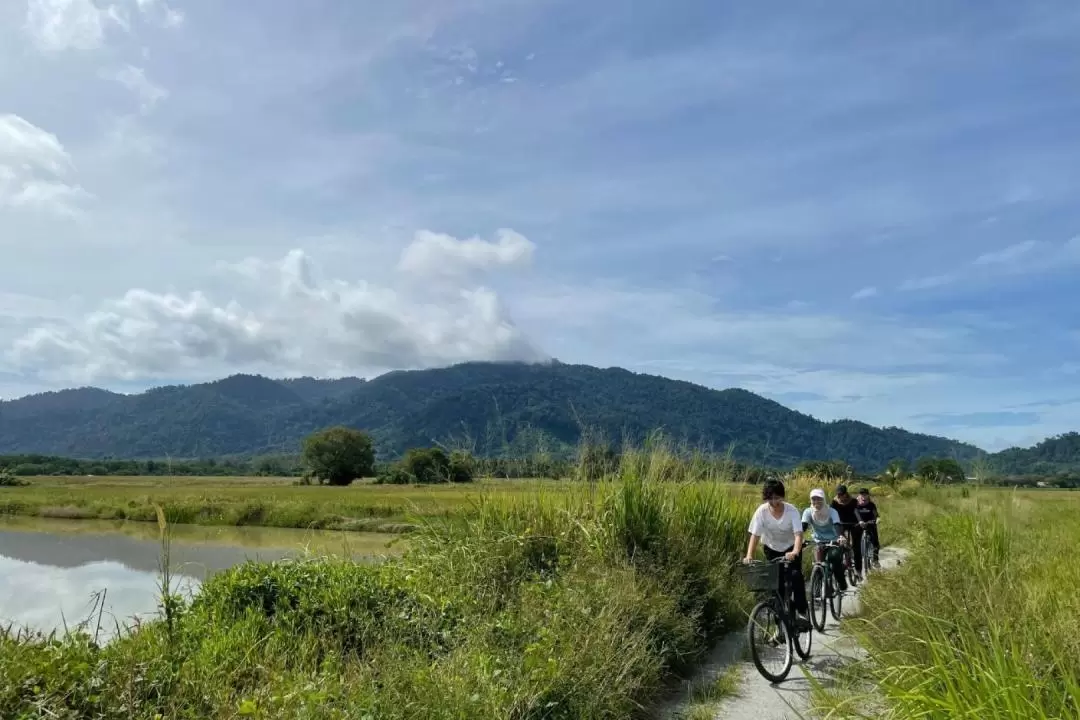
[
  {"x": 867, "y": 555},
  {"x": 802, "y": 640},
  {"x": 770, "y": 642},
  {"x": 836, "y": 602},
  {"x": 850, "y": 569},
  {"x": 818, "y": 609}
]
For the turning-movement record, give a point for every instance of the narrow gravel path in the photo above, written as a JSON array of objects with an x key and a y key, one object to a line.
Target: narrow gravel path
[{"x": 757, "y": 698}]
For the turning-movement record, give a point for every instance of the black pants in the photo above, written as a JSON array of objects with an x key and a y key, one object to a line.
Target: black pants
[
  {"x": 855, "y": 537},
  {"x": 794, "y": 579},
  {"x": 834, "y": 562}
]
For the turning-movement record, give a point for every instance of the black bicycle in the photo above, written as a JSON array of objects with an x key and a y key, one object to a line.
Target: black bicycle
[
  {"x": 773, "y": 624},
  {"x": 868, "y": 561},
  {"x": 823, "y": 590}
]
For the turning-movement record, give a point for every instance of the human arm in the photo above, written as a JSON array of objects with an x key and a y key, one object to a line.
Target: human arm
[
  {"x": 835, "y": 517},
  {"x": 755, "y": 536},
  {"x": 796, "y": 526},
  {"x": 751, "y": 547}
]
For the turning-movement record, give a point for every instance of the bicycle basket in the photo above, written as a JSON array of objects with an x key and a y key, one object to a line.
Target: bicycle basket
[{"x": 762, "y": 577}]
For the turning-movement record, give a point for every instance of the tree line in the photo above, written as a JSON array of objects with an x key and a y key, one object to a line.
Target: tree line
[{"x": 339, "y": 455}]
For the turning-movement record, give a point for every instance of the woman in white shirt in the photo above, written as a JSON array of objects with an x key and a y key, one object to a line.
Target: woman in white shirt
[{"x": 777, "y": 526}]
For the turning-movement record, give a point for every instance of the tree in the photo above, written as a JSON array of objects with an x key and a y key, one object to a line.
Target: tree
[
  {"x": 940, "y": 470},
  {"x": 896, "y": 471},
  {"x": 338, "y": 455}
]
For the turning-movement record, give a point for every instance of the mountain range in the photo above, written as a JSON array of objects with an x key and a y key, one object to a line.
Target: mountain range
[{"x": 489, "y": 408}]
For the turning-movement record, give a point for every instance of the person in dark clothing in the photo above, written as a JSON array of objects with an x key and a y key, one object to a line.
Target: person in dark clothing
[
  {"x": 866, "y": 512},
  {"x": 845, "y": 504}
]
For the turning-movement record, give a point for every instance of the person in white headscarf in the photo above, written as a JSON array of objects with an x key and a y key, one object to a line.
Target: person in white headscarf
[{"x": 824, "y": 524}]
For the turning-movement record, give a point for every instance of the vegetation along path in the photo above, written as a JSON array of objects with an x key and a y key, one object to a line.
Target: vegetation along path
[{"x": 755, "y": 698}]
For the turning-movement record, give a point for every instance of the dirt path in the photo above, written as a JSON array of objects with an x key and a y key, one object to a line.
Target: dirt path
[{"x": 758, "y": 699}]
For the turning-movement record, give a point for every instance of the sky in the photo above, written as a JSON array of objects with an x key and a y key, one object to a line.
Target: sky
[{"x": 864, "y": 210}]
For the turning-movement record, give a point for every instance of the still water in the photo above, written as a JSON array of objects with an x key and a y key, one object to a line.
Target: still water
[{"x": 57, "y": 573}]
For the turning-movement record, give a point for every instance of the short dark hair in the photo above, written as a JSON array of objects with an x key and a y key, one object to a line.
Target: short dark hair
[
  {"x": 864, "y": 491},
  {"x": 772, "y": 488},
  {"x": 841, "y": 490}
]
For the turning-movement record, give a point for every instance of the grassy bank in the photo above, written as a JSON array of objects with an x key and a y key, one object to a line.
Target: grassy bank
[
  {"x": 981, "y": 621},
  {"x": 270, "y": 502},
  {"x": 550, "y": 602}
]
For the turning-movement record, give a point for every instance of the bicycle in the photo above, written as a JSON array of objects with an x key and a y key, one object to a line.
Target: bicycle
[
  {"x": 867, "y": 548},
  {"x": 852, "y": 572},
  {"x": 823, "y": 587},
  {"x": 775, "y": 614}
]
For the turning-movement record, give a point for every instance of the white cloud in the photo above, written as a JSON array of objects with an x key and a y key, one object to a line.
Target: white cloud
[
  {"x": 1008, "y": 254},
  {"x": 435, "y": 254},
  {"x": 57, "y": 25},
  {"x": 33, "y": 167},
  {"x": 866, "y": 292},
  {"x": 296, "y": 323},
  {"x": 928, "y": 282},
  {"x": 134, "y": 79}
]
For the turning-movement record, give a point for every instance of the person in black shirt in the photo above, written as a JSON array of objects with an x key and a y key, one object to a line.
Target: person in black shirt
[
  {"x": 845, "y": 504},
  {"x": 866, "y": 513}
]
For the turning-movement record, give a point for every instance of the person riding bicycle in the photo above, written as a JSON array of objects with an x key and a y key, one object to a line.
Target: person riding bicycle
[
  {"x": 824, "y": 525},
  {"x": 776, "y": 525},
  {"x": 845, "y": 505},
  {"x": 866, "y": 513}
]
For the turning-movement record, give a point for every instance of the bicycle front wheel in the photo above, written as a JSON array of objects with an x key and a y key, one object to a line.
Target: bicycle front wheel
[
  {"x": 818, "y": 609},
  {"x": 867, "y": 555},
  {"x": 770, "y": 642}
]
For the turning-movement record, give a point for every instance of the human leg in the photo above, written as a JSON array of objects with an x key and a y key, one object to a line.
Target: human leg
[
  {"x": 856, "y": 547},
  {"x": 835, "y": 564}
]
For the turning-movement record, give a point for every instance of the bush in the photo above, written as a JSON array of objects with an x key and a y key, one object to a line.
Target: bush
[
  {"x": 339, "y": 455},
  {"x": 9, "y": 479}
]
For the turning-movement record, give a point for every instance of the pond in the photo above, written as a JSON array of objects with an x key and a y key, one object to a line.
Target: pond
[{"x": 60, "y": 573}]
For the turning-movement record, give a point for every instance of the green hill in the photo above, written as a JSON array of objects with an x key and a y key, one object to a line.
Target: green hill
[
  {"x": 491, "y": 408},
  {"x": 1053, "y": 456}
]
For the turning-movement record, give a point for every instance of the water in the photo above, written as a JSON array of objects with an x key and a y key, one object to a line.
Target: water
[{"x": 57, "y": 573}]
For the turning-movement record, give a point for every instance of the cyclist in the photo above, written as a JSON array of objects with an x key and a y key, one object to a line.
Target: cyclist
[
  {"x": 844, "y": 505},
  {"x": 824, "y": 525},
  {"x": 865, "y": 512},
  {"x": 776, "y": 525}
]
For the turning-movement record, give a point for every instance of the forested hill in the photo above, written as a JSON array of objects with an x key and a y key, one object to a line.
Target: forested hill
[
  {"x": 1052, "y": 456},
  {"x": 490, "y": 407}
]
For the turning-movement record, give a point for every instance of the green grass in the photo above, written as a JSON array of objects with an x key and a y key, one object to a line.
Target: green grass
[
  {"x": 271, "y": 502},
  {"x": 983, "y": 619},
  {"x": 705, "y": 694},
  {"x": 569, "y": 601}
]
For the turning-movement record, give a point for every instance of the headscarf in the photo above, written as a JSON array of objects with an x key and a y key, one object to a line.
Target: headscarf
[{"x": 820, "y": 515}]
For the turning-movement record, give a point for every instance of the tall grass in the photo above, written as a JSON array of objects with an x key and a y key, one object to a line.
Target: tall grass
[
  {"x": 581, "y": 602},
  {"x": 982, "y": 621}
]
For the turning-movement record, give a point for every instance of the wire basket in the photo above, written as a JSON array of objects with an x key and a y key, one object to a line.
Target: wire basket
[{"x": 762, "y": 577}]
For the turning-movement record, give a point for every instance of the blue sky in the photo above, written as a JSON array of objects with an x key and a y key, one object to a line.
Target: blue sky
[{"x": 860, "y": 210}]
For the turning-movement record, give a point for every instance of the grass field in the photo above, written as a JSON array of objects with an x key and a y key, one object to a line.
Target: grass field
[
  {"x": 538, "y": 600},
  {"x": 566, "y": 601},
  {"x": 982, "y": 621},
  {"x": 272, "y": 502}
]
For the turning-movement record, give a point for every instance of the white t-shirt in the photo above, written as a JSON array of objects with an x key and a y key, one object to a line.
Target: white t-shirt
[{"x": 776, "y": 534}]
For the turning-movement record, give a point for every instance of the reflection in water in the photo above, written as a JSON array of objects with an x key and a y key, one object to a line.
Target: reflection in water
[{"x": 52, "y": 571}]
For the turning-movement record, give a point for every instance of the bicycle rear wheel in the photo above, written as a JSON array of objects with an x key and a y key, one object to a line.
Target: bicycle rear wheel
[
  {"x": 770, "y": 642},
  {"x": 836, "y": 602},
  {"x": 818, "y": 601},
  {"x": 802, "y": 640}
]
